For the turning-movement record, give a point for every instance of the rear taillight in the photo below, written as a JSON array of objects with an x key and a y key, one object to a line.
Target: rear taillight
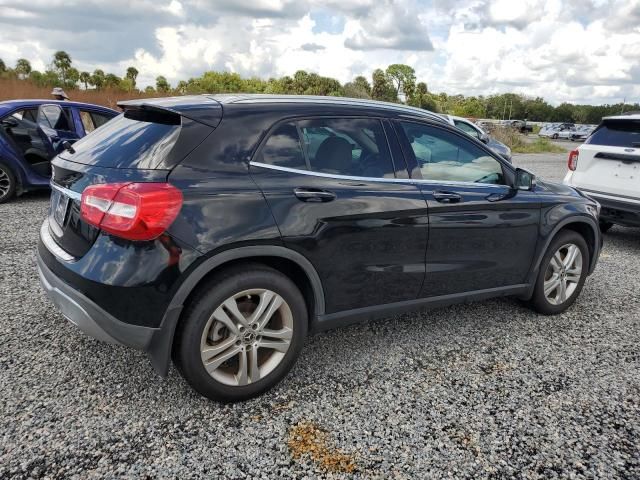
[
  {"x": 573, "y": 160},
  {"x": 135, "y": 211}
]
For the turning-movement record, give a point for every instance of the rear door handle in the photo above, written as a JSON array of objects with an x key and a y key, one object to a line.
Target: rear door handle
[
  {"x": 313, "y": 194},
  {"x": 447, "y": 197}
]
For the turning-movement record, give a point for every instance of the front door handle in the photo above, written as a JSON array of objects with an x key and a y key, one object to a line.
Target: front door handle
[
  {"x": 313, "y": 194},
  {"x": 447, "y": 197}
]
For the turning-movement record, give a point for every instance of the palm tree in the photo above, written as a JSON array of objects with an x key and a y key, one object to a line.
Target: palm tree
[
  {"x": 132, "y": 74},
  {"x": 62, "y": 62},
  {"x": 85, "y": 77}
]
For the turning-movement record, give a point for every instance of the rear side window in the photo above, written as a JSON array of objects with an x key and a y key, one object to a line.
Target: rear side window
[
  {"x": 55, "y": 117},
  {"x": 339, "y": 146},
  {"x": 347, "y": 146},
  {"x": 617, "y": 133},
  {"x": 283, "y": 148}
]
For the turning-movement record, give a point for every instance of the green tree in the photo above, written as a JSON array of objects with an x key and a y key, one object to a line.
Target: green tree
[
  {"x": 23, "y": 67},
  {"x": 149, "y": 89},
  {"x": 85, "y": 77},
  {"x": 3, "y": 66},
  {"x": 126, "y": 84},
  {"x": 382, "y": 88},
  {"x": 132, "y": 74},
  {"x": 97, "y": 79},
  {"x": 73, "y": 75},
  {"x": 111, "y": 80},
  {"x": 62, "y": 63},
  {"x": 162, "y": 85},
  {"x": 358, "y": 88},
  {"x": 403, "y": 78}
]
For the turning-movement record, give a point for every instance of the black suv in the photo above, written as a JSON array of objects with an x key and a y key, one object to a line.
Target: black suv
[{"x": 219, "y": 230}]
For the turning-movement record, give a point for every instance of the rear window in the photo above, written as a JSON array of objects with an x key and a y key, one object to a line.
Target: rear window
[
  {"x": 617, "y": 133},
  {"x": 126, "y": 143}
]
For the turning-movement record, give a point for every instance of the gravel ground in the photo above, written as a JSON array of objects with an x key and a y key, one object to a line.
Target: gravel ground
[{"x": 471, "y": 391}]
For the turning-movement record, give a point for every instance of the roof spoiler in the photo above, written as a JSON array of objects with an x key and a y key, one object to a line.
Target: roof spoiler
[{"x": 198, "y": 108}]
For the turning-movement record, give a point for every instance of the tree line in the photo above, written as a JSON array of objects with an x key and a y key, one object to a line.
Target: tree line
[{"x": 396, "y": 83}]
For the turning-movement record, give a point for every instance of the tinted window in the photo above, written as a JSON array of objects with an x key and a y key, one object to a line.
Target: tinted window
[
  {"x": 54, "y": 117},
  {"x": 283, "y": 148},
  {"x": 87, "y": 122},
  {"x": 619, "y": 133},
  {"x": 466, "y": 128},
  {"x": 444, "y": 156},
  {"x": 124, "y": 142},
  {"x": 347, "y": 146},
  {"x": 100, "y": 119}
]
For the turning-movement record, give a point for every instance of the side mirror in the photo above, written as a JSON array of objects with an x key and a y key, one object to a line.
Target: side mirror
[
  {"x": 484, "y": 138},
  {"x": 524, "y": 180}
]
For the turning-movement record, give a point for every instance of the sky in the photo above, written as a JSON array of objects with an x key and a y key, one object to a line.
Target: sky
[{"x": 581, "y": 51}]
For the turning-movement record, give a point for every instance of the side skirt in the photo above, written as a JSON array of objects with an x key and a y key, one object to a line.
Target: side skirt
[{"x": 357, "y": 315}]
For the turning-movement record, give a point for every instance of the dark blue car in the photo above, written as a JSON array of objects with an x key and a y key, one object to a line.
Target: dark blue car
[{"x": 33, "y": 131}]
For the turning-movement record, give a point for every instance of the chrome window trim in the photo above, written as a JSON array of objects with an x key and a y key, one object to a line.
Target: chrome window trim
[
  {"x": 410, "y": 181},
  {"x": 51, "y": 244},
  {"x": 65, "y": 191}
]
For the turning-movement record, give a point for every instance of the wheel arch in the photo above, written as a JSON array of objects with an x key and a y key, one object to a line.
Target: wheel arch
[
  {"x": 287, "y": 261},
  {"x": 583, "y": 225}
]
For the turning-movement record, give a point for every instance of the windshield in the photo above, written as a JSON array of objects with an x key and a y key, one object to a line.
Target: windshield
[{"x": 617, "y": 133}]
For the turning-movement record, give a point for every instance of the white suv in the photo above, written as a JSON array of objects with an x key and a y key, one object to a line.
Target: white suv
[{"x": 607, "y": 168}]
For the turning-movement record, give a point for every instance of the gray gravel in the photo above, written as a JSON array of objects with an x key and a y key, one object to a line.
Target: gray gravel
[{"x": 483, "y": 390}]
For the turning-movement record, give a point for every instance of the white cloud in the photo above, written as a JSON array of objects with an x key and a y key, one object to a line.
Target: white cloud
[{"x": 562, "y": 50}]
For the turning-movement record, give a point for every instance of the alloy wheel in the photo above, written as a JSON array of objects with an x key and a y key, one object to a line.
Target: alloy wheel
[
  {"x": 246, "y": 337},
  {"x": 563, "y": 274},
  {"x": 5, "y": 183}
]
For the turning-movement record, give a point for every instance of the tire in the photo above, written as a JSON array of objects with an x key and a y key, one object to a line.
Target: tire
[
  {"x": 544, "y": 303},
  {"x": 7, "y": 183},
  {"x": 226, "y": 338},
  {"x": 605, "y": 226},
  {"x": 555, "y": 136}
]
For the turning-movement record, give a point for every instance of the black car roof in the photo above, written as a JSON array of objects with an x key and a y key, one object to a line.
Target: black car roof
[{"x": 202, "y": 107}]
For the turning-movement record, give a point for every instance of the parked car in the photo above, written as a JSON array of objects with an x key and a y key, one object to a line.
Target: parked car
[
  {"x": 565, "y": 133},
  {"x": 224, "y": 228},
  {"x": 607, "y": 168},
  {"x": 520, "y": 126},
  {"x": 556, "y": 131},
  {"x": 33, "y": 131},
  {"x": 581, "y": 133},
  {"x": 476, "y": 132}
]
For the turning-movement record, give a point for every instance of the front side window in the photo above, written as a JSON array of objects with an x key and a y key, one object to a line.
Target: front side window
[
  {"x": 54, "y": 117},
  {"x": 466, "y": 128},
  {"x": 346, "y": 146},
  {"x": 444, "y": 156}
]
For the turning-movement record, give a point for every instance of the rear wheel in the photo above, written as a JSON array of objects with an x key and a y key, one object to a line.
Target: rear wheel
[
  {"x": 241, "y": 334},
  {"x": 7, "y": 183},
  {"x": 562, "y": 274}
]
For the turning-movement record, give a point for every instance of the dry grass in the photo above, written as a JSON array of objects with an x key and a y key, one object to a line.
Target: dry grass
[
  {"x": 11, "y": 89},
  {"x": 517, "y": 144},
  {"x": 306, "y": 438}
]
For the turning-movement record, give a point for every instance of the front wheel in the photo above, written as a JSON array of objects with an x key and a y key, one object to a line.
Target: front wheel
[
  {"x": 241, "y": 334},
  {"x": 555, "y": 136},
  {"x": 605, "y": 226},
  {"x": 7, "y": 183},
  {"x": 562, "y": 274}
]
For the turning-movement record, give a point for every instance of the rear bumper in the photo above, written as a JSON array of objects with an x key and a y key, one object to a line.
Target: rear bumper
[
  {"x": 89, "y": 317},
  {"x": 617, "y": 210}
]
